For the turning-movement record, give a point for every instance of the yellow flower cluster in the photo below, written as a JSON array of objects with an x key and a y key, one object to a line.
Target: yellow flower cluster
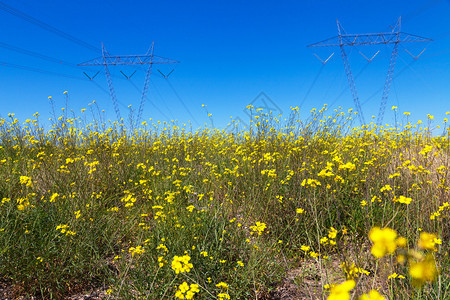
[
  {"x": 438, "y": 213},
  {"x": 331, "y": 239},
  {"x": 22, "y": 203},
  {"x": 136, "y": 250},
  {"x": 402, "y": 199},
  {"x": 348, "y": 166},
  {"x": 426, "y": 150},
  {"x": 422, "y": 268},
  {"x": 310, "y": 182},
  {"x": 351, "y": 271},
  {"x": 372, "y": 295},
  {"x": 186, "y": 291},
  {"x": 25, "y": 180},
  {"x": 170, "y": 181},
  {"x": 53, "y": 197},
  {"x": 395, "y": 275},
  {"x": 427, "y": 241},
  {"x": 129, "y": 200},
  {"x": 63, "y": 229},
  {"x": 259, "y": 228},
  {"x": 223, "y": 294},
  {"x": 181, "y": 264},
  {"x": 384, "y": 241},
  {"x": 341, "y": 291}
]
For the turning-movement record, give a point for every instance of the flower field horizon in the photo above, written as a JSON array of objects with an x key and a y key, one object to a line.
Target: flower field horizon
[{"x": 314, "y": 208}]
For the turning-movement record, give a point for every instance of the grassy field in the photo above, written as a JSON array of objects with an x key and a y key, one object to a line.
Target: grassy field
[{"x": 310, "y": 209}]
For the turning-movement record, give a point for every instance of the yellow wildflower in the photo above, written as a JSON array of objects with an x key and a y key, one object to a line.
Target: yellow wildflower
[
  {"x": 341, "y": 291},
  {"x": 423, "y": 271},
  {"x": 372, "y": 295},
  {"x": 387, "y": 187},
  {"x": 427, "y": 241},
  {"x": 222, "y": 285},
  {"x": 348, "y": 166},
  {"x": 181, "y": 264},
  {"x": 384, "y": 241},
  {"x": 136, "y": 250},
  {"x": 185, "y": 291},
  {"x": 259, "y": 227},
  {"x": 305, "y": 248},
  {"x": 222, "y": 296},
  {"x": 402, "y": 199},
  {"x": 332, "y": 233},
  {"x": 25, "y": 180},
  {"x": 395, "y": 275},
  {"x": 54, "y": 197}
]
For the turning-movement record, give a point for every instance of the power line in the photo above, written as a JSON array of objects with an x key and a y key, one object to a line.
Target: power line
[
  {"x": 106, "y": 92},
  {"x": 15, "y": 12},
  {"x": 411, "y": 15},
  {"x": 181, "y": 101},
  {"x": 407, "y": 66},
  {"x": 37, "y": 55},
  {"x": 394, "y": 77},
  {"x": 164, "y": 103},
  {"x": 107, "y": 60},
  {"x": 41, "y": 71},
  {"x": 54, "y": 60},
  {"x": 312, "y": 84},
  {"x": 151, "y": 103},
  {"x": 421, "y": 9},
  {"x": 394, "y": 37},
  {"x": 45, "y": 57},
  {"x": 36, "y": 70},
  {"x": 345, "y": 89}
]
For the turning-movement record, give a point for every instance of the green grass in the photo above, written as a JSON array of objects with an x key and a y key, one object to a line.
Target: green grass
[{"x": 173, "y": 192}]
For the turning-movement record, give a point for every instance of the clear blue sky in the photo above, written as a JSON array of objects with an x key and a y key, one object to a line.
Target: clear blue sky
[{"x": 230, "y": 51}]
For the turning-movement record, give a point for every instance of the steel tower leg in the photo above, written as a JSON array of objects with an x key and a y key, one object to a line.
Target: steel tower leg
[
  {"x": 146, "y": 83},
  {"x": 351, "y": 82},
  {"x": 110, "y": 85},
  {"x": 350, "y": 79},
  {"x": 394, "y": 37},
  {"x": 387, "y": 85}
]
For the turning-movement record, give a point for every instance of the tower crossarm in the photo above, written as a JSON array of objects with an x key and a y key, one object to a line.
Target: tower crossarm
[
  {"x": 117, "y": 60},
  {"x": 370, "y": 39}
]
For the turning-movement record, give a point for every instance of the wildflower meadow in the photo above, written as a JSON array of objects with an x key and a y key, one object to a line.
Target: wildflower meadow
[{"x": 308, "y": 206}]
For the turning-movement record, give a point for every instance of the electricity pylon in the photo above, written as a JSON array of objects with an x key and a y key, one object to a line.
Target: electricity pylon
[
  {"x": 384, "y": 38},
  {"x": 115, "y": 60}
]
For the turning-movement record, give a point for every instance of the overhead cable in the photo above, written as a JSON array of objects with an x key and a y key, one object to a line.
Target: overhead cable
[{"x": 15, "y": 12}]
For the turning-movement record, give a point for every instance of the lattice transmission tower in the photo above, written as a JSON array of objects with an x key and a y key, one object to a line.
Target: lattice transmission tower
[
  {"x": 384, "y": 38},
  {"x": 115, "y": 60}
]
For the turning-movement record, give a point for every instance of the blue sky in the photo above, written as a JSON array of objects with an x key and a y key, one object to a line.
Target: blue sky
[{"x": 229, "y": 52}]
